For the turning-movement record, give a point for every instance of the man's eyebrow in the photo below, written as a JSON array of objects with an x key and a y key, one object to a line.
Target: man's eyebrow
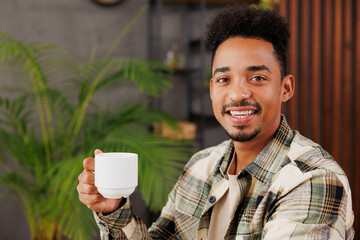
[
  {"x": 258, "y": 68},
  {"x": 222, "y": 69}
]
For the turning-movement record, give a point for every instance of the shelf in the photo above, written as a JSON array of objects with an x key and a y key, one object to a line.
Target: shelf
[
  {"x": 215, "y": 2},
  {"x": 195, "y": 44},
  {"x": 184, "y": 70}
]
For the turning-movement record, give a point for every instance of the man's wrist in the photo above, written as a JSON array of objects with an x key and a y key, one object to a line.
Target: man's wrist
[{"x": 120, "y": 205}]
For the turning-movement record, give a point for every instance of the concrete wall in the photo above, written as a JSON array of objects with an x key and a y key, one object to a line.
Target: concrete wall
[{"x": 75, "y": 26}]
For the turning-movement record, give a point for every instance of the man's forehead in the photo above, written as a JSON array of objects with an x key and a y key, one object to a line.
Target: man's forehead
[{"x": 246, "y": 52}]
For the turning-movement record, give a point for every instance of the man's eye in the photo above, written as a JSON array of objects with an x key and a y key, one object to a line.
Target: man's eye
[
  {"x": 222, "y": 80},
  {"x": 257, "y": 79}
]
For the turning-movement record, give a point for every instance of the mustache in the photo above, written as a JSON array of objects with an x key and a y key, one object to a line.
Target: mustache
[{"x": 243, "y": 103}]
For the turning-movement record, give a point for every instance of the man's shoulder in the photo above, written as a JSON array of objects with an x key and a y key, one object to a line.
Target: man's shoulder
[
  {"x": 309, "y": 156},
  {"x": 308, "y": 163}
]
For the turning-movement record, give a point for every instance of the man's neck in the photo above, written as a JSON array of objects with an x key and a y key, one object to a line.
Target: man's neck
[{"x": 245, "y": 152}]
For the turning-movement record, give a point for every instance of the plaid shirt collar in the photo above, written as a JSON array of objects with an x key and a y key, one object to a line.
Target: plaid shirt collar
[{"x": 264, "y": 166}]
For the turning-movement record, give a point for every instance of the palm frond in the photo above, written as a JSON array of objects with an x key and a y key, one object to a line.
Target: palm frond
[
  {"x": 78, "y": 222},
  {"x": 8, "y": 47},
  {"x": 15, "y": 182},
  {"x": 62, "y": 108},
  {"x": 40, "y": 62},
  {"x": 98, "y": 126},
  {"x": 94, "y": 76},
  {"x": 46, "y": 60},
  {"x": 74, "y": 218},
  {"x": 15, "y": 115},
  {"x": 150, "y": 76},
  {"x": 90, "y": 76},
  {"x": 141, "y": 114}
]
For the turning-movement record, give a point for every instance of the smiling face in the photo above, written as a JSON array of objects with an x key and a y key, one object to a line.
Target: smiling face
[{"x": 246, "y": 89}]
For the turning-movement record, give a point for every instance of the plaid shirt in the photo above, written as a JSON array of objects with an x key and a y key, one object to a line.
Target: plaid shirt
[{"x": 292, "y": 190}]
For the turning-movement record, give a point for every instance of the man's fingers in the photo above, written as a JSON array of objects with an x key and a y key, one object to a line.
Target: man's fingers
[
  {"x": 89, "y": 164},
  {"x": 97, "y": 151},
  {"x": 87, "y": 177},
  {"x": 87, "y": 189},
  {"x": 89, "y": 199}
]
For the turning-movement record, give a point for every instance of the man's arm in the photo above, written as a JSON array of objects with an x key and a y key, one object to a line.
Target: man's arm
[
  {"x": 123, "y": 224},
  {"x": 314, "y": 205},
  {"x": 114, "y": 216}
]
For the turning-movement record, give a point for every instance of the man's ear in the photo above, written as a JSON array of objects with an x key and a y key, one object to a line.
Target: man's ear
[{"x": 287, "y": 87}]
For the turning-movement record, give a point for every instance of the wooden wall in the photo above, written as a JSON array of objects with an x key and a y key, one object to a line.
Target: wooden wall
[{"x": 324, "y": 57}]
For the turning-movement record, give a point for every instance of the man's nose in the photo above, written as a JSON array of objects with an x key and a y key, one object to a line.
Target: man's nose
[{"x": 239, "y": 91}]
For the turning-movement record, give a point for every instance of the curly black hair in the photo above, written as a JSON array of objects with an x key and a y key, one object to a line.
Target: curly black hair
[{"x": 250, "y": 22}]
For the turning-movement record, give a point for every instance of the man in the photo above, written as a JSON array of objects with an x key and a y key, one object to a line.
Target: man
[{"x": 268, "y": 181}]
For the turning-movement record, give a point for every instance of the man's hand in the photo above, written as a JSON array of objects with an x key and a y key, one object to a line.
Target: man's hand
[{"x": 88, "y": 193}]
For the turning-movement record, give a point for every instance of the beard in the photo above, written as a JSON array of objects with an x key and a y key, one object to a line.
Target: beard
[
  {"x": 243, "y": 137},
  {"x": 240, "y": 135}
]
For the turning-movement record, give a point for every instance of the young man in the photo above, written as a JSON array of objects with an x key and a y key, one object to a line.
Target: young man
[{"x": 268, "y": 181}]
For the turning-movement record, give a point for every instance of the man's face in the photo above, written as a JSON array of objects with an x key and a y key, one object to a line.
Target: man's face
[{"x": 246, "y": 88}]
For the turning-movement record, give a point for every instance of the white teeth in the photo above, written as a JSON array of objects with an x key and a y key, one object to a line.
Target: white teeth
[{"x": 241, "y": 114}]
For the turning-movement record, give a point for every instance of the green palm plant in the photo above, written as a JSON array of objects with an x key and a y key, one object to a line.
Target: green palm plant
[{"x": 50, "y": 123}]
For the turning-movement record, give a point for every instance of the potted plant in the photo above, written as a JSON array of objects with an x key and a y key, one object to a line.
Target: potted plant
[{"x": 46, "y": 131}]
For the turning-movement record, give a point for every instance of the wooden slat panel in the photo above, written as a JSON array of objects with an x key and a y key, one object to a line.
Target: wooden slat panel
[
  {"x": 283, "y": 8},
  {"x": 347, "y": 106},
  {"x": 337, "y": 106},
  {"x": 316, "y": 73},
  {"x": 327, "y": 75},
  {"x": 334, "y": 68},
  {"x": 356, "y": 189},
  {"x": 303, "y": 75},
  {"x": 293, "y": 53}
]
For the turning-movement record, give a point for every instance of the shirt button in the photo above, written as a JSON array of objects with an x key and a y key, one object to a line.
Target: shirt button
[{"x": 212, "y": 199}]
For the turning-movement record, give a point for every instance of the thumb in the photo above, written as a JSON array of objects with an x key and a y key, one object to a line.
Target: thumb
[{"x": 97, "y": 151}]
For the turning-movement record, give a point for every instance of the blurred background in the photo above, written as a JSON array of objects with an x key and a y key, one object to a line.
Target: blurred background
[{"x": 324, "y": 57}]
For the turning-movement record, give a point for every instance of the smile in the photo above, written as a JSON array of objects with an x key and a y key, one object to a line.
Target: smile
[{"x": 241, "y": 114}]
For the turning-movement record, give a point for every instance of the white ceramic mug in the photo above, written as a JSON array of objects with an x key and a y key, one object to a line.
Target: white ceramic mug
[{"x": 116, "y": 174}]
